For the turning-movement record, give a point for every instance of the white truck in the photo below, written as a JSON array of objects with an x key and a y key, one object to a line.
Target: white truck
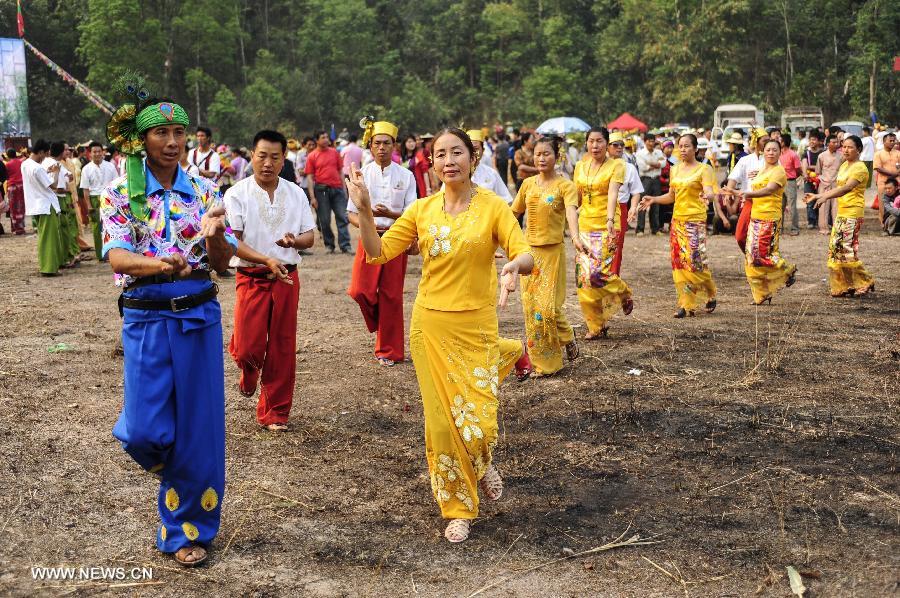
[
  {"x": 731, "y": 118},
  {"x": 801, "y": 118}
]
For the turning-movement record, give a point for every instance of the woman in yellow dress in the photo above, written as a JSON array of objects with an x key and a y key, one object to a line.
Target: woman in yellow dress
[
  {"x": 767, "y": 272},
  {"x": 691, "y": 188},
  {"x": 459, "y": 357},
  {"x": 543, "y": 197},
  {"x": 593, "y": 224},
  {"x": 847, "y": 275}
]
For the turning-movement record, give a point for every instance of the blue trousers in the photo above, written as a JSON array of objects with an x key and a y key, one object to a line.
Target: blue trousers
[{"x": 173, "y": 420}]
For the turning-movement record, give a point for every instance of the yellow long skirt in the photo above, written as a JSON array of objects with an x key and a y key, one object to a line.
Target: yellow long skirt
[
  {"x": 601, "y": 292},
  {"x": 460, "y": 361},
  {"x": 543, "y": 295},
  {"x": 690, "y": 269},
  {"x": 767, "y": 272},
  {"x": 847, "y": 275}
]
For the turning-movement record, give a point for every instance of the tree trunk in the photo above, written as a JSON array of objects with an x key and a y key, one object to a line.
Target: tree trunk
[
  {"x": 872, "y": 77},
  {"x": 197, "y": 90}
]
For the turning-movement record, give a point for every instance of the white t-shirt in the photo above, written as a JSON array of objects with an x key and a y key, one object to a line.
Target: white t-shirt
[
  {"x": 61, "y": 178},
  {"x": 644, "y": 157},
  {"x": 36, "y": 184},
  {"x": 868, "y": 151},
  {"x": 95, "y": 178},
  {"x": 394, "y": 187},
  {"x": 746, "y": 170},
  {"x": 489, "y": 178},
  {"x": 198, "y": 159},
  {"x": 631, "y": 185},
  {"x": 263, "y": 221}
]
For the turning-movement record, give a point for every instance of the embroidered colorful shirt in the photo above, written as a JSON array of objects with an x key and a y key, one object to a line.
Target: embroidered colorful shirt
[{"x": 172, "y": 223}]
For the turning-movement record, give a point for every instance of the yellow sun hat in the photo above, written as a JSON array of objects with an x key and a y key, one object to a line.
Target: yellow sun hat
[{"x": 616, "y": 137}]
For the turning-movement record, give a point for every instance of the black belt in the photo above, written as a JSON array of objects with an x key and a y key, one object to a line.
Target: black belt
[
  {"x": 167, "y": 278},
  {"x": 175, "y": 304},
  {"x": 266, "y": 274}
]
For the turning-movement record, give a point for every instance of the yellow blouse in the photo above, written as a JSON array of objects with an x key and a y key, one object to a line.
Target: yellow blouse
[
  {"x": 546, "y": 209},
  {"x": 594, "y": 186},
  {"x": 688, "y": 184},
  {"x": 768, "y": 207},
  {"x": 458, "y": 271},
  {"x": 852, "y": 204}
]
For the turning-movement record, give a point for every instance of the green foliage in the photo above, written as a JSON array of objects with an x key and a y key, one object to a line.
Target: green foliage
[{"x": 299, "y": 65}]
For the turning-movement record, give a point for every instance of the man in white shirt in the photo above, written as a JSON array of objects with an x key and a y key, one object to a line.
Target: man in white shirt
[
  {"x": 95, "y": 176},
  {"x": 745, "y": 171},
  {"x": 71, "y": 242},
  {"x": 204, "y": 156},
  {"x": 630, "y": 190},
  {"x": 867, "y": 155},
  {"x": 486, "y": 176},
  {"x": 273, "y": 220},
  {"x": 650, "y": 161},
  {"x": 378, "y": 289},
  {"x": 42, "y": 204}
]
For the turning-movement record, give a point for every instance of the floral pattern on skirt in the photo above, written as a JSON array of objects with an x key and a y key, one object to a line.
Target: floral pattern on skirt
[
  {"x": 690, "y": 270},
  {"x": 460, "y": 361},
  {"x": 847, "y": 275},
  {"x": 767, "y": 272},
  {"x": 543, "y": 295},
  {"x": 601, "y": 292}
]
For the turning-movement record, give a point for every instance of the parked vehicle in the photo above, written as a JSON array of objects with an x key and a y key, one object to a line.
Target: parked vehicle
[
  {"x": 731, "y": 117},
  {"x": 801, "y": 118},
  {"x": 850, "y": 127}
]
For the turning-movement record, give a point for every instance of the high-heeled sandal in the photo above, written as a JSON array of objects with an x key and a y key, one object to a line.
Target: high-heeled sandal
[
  {"x": 791, "y": 279},
  {"x": 683, "y": 313},
  {"x": 711, "y": 306},
  {"x": 523, "y": 366},
  {"x": 457, "y": 530},
  {"x": 572, "y": 351},
  {"x": 628, "y": 307},
  {"x": 491, "y": 483}
]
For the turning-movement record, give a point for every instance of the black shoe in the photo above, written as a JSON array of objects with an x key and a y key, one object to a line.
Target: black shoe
[
  {"x": 331, "y": 250},
  {"x": 346, "y": 251},
  {"x": 226, "y": 274},
  {"x": 305, "y": 252}
]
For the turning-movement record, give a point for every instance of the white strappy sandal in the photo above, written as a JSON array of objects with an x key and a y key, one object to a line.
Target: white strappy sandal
[
  {"x": 491, "y": 483},
  {"x": 457, "y": 530}
]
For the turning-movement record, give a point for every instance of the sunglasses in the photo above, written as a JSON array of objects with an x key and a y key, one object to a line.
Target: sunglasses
[{"x": 617, "y": 144}]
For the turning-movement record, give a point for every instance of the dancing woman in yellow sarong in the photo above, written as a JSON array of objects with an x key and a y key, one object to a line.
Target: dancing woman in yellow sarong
[
  {"x": 691, "y": 188},
  {"x": 459, "y": 357},
  {"x": 847, "y": 275},
  {"x": 593, "y": 224},
  {"x": 543, "y": 197},
  {"x": 767, "y": 272}
]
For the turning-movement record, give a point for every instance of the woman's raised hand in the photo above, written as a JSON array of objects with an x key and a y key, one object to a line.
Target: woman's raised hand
[{"x": 356, "y": 187}]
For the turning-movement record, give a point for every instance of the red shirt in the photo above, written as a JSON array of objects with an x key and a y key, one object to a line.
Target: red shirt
[
  {"x": 791, "y": 163},
  {"x": 14, "y": 171},
  {"x": 420, "y": 170},
  {"x": 325, "y": 167}
]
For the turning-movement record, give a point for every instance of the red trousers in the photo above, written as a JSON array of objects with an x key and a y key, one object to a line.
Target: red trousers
[
  {"x": 623, "y": 217},
  {"x": 378, "y": 289},
  {"x": 743, "y": 225},
  {"x": 265, "y": 341},
  {"x": 16, "y": 196}
]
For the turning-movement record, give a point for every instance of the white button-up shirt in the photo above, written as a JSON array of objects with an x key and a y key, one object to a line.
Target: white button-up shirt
[
  {"x": 631, "y": 185},
  {"x": 263, "y": 221},
  {"x": 643, "y": 157},
  {"x": 487, "y": 177},
  {"x": 393, "y": 187},
  {"x": 36, "y": 184},
  {"x": 95, "y": 178}
]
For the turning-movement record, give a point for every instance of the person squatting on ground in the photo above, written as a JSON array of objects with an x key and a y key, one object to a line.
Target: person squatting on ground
[
  {"x": 273, "y": 220},
  {"x": 459, "y": 357},
  {"x": 378, "y": 288}
]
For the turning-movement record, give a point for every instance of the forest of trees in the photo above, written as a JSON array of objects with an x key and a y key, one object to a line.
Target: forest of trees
[{"x": 299, "y": 65}]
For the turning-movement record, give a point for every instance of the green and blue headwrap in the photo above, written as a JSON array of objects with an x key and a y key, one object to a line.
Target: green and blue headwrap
[{"x": 124, "y": 131}]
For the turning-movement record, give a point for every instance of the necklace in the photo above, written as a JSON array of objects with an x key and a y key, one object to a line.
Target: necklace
[
  {"x": 590, "y": 179},
  {"x": 543, "y": 189}
]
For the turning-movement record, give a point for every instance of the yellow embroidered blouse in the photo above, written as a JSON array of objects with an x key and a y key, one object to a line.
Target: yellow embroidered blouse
[
  {"x": 688, "y": 185},
  {"x": 593, "y": 183},
  {"x": 546, "y": 209},
  {"x": 768, "y": 207},
  {"x": 852, "y": 204},
  {"x": 458, "y": 271}
]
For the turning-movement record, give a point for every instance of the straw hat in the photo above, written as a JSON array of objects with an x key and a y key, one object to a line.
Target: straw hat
[{"x": 736, "y": 139}]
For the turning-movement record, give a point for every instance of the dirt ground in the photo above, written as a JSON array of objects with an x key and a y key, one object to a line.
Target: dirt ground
[{"x": 753, "y": 439}]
